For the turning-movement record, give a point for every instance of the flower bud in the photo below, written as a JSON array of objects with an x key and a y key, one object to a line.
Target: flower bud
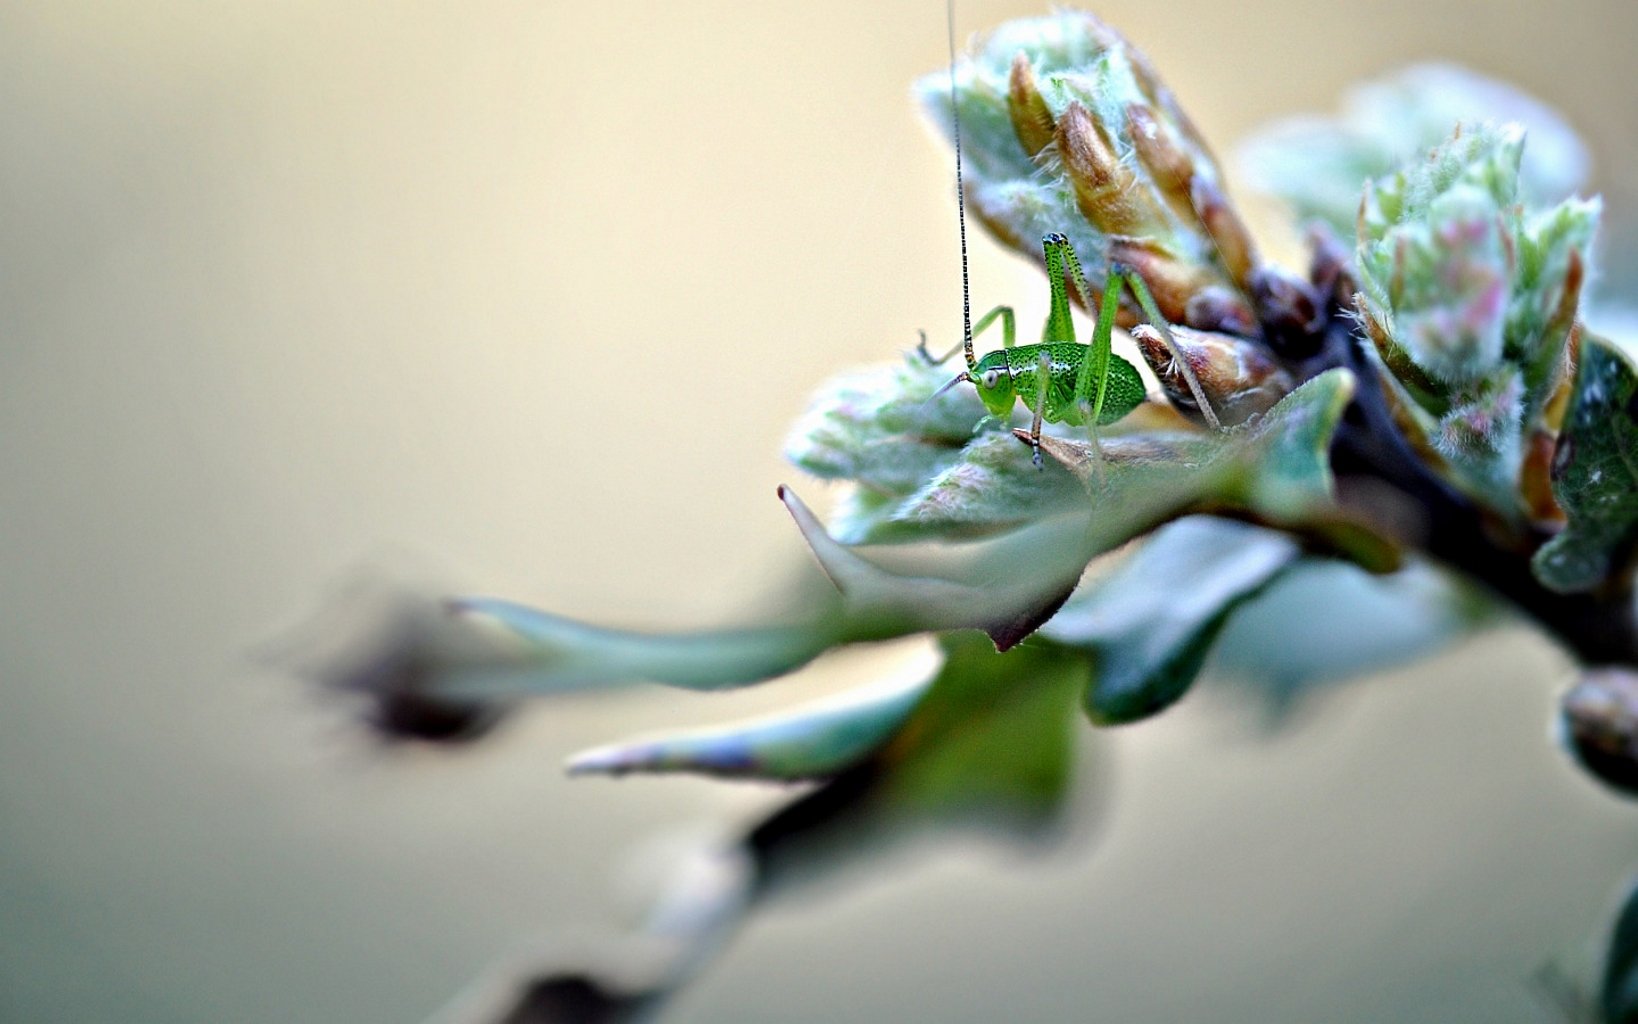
[
  {"x": 1105, "y": 189},
  {"x": 1169, "y": 164},
  {"x": 1471, "y": 303},
  {"x": 1599, "y": 717},
  {"x": 1228, "y": 232},
  {"x": 1238, "y": 377},
  {"x": 1445, "y": 277},
  {"x": 1485, "y": 424},
  {"x": 1068, "y": 130},
  {"x": 1172, "y": 281},
  {"x": 1031, "y": 120}
]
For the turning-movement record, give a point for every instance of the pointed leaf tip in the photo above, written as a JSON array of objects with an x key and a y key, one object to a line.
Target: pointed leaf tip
[{"x": 810, "y": 742}]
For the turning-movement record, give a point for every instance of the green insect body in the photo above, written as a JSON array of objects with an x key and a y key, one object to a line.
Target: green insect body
[
  {"x": 1084, "y": 385},
  {"x": 1014, "y": 374}
]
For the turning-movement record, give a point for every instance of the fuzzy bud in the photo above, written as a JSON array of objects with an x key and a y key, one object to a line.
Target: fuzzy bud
[
  {"x": 1485, "y": 424},
  {"x": 1173, "y": 282},
  {"x": 1228, "y": 232},
  {"x": 1031, "y": 120},
  {"x": 1238, "y": 377},
  {"x": 1599, "y": 718},
  {"x": 1105, "y": 188},
  {"x": 1471, "y": 302},
  {"x": 1067, "y": 129}
]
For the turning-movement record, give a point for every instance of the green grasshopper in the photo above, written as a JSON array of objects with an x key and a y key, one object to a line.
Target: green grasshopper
[
  {"x": 1061, "y": 380},
  {"x": 1086, "y": 385}
]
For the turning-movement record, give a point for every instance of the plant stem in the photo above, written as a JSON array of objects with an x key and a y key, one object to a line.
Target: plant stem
[{"x": 1599, "y": 628}]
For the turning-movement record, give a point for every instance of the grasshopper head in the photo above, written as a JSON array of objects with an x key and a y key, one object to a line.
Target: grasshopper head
[{"x": 993, "y": 379}]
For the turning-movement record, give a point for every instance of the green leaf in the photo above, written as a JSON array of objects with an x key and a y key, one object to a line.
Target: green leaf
[
  {"x": 883, "y": 427},
  {"x": 1618, "y": 995},
  {"x": 1595, "y": 474},
  {"x": 1005, "y": 586},
  {"x": 811, "y": 742},
  {"x": 1276, "y": 467},
  {"x": 1151, "y": 623},
  {"x": 988, "y": 750},
  {"x": 991, "y": 743},
  {"x": 1353, "y": 623},
  {"x": 992, "y": 485}
]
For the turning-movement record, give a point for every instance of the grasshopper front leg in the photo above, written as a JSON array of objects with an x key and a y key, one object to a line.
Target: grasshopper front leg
[
  {"x": 1043, "y": 380},
  {"x": 1009, "y": 336}
]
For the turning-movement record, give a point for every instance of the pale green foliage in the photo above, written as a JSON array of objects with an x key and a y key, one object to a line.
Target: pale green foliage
[
  {"x": 916, "y": 468},
  {"x": 1149, "y": 626},
  {"x": 814, "y": 741},
  {"x": 1317, "y": 165},
  {"x": 878, "y": 427},
  {"x": 1472, "y": 299},
  {"x": 1274, "y": 471}
]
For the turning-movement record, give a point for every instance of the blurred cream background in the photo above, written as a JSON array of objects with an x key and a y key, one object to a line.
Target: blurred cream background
[{"x": 524, "y": 295}]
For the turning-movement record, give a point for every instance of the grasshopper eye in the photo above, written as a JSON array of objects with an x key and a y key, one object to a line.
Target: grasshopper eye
[{"x": 990, "y": 378}]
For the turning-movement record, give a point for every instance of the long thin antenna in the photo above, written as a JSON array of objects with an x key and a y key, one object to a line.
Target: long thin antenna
[{"x": 961, "y": 194}]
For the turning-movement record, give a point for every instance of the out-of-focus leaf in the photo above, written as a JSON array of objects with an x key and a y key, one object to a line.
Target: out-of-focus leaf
[
  {"x": 988, "y": 749},
  {"x": 1353, "y": 623},
  {"x": 1595, "y": 474},
  {"x": 493, "y": 652},
  {"x": 1006, "y": 586},
  {"x": 565, "y": 655},
  {"x": 1151, "y": 623},
  {"x": 1318, "y": 165},
  {"x": 991, "y": 744},
  {"x": 992, "y": 738},
  {"x": 1618, "y": 994},
  {"x": 809, "y": 742}
]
